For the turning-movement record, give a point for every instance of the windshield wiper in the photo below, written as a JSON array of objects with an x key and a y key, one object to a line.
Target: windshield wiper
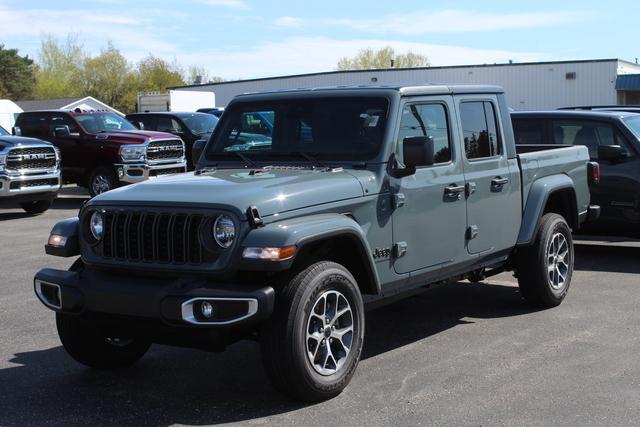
[{"x": 245, "y": 159}]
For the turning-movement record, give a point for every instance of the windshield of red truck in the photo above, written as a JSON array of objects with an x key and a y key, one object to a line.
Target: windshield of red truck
[
  {"x": 103, "y": 122},
  {"x": 325, "y": 128}
]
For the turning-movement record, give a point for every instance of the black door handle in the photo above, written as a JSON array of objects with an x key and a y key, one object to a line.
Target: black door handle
[{"x": 498, "y": 181}]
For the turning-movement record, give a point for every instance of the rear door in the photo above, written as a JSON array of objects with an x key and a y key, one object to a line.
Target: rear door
[
  {"x": 493, "y": 198},
  {"x": 430, "y": 224}
]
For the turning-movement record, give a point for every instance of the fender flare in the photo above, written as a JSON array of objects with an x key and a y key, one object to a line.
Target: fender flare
[
  {"x": 539, "y": 193},
  {"x": 309, "y": 229}
]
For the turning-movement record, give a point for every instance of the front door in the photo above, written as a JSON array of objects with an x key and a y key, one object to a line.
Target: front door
[
  {"x": 492, "y": 180},
  {"x": 428, "y": 229}
]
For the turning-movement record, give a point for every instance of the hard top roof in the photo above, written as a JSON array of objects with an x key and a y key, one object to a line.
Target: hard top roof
[{"x": 403, "y": 90}]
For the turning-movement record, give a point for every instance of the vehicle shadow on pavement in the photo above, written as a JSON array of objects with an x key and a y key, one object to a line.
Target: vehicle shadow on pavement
[
  {"x": 614, "y": 259},
  {"x": 171, "y": 385}
]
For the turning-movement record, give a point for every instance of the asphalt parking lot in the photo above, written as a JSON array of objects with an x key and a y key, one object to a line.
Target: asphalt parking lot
[{"x": 464, "y": 354}]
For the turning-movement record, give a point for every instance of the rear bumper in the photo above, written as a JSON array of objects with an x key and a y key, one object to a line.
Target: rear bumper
[
  {"x": 138, "y": 172},
  {"x": 172, "y": 302},
  {"x": 15, "y": 186}
]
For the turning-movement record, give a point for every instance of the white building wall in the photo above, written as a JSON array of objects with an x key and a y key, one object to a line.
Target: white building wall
[{"x": 527, "y": 86}]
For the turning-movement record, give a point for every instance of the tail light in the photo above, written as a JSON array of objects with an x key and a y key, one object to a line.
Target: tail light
[{"x": 593, "y": 170}]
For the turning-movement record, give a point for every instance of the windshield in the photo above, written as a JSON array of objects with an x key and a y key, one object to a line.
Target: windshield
[
  {"x": 633, "y": 123},
  {"x": 200, "y": 123},
  {"x": 326, "y": 128},
  {"x": 103, "y": 122},
  {"x": 3, "y": 132}
]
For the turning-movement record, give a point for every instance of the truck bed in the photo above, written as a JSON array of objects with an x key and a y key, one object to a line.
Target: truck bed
[{"x": 548, "y": 160}]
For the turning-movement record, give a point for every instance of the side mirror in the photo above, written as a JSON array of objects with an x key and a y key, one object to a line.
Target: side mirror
[
  {"x": 417, "y": 151},
  {"x": 196, "y": 150},
  {"x": 16, "y": 131},
  {"x": 62, "y": 132},
  {"x": 611, "y": 152},
  {"x": 140, "y": 125}
]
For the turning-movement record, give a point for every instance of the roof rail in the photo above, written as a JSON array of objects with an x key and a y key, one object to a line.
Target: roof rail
[{"x": 596, "y": 107}]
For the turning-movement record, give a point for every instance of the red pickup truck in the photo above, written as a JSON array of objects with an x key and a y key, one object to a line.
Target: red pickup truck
[{"x": 101, "y": 150}]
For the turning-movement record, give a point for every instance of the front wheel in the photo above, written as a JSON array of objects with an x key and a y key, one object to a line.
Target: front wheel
[
  {"x": 36, "y": 207},
  {"x": 101, "y": 180},
  {"x": 312, "y": 345},
  {"x": 88, "y": 346},
  {"x": 545, "y": 268}
]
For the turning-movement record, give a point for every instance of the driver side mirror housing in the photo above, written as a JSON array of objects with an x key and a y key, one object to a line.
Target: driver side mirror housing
[
  {"x": 62, "y": 132},
  {"x": 611, "y": 152},
  {"x": 16, "y": 131},
  {"x": 196, "y": 150},
  {"x": 417, "y": 151}
]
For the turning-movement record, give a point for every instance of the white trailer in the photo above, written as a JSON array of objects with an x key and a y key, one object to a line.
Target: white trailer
[{"x": 176, "y": 100}]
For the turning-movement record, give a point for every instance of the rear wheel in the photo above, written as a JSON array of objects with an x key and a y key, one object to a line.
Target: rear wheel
[
  {"x": 101, "y": 180},
  {"x": 88, "y": 346},
  {"x": 312, "y": 345},
  {"x": 36, "y": 207},
  {"x": 545, "y": 268}
]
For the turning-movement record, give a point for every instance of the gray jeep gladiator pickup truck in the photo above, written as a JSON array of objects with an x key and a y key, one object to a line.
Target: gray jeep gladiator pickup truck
[
  {"x": 359, "y": 194},
  {"x": 29, "y": 173}
]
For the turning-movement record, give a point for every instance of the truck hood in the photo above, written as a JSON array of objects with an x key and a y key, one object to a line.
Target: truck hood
[
  {"x": 17, "y": 141},
  {"x": 132, "y": 136},
  {"x": 271, "y": 191}
]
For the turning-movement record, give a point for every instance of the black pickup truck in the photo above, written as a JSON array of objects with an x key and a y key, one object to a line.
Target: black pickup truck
[{"x": 613, "y": 139}]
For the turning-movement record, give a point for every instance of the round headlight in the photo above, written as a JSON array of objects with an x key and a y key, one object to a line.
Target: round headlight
[
  {"x": 96, "y": 225},
  {"x": 224, "y": 231}
]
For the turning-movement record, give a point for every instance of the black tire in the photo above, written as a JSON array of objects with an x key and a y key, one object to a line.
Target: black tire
[
  {"x": 86, "y": 345},
  {"x": 36, "y": 207},
  {"x": 284, "y": 338},
  {"x": 536, "y": 281},
  {"x": 101, "y": 180}
]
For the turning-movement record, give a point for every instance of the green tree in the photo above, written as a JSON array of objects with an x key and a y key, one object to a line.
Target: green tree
[
  {"x": 368, "y": 59},
  {"x": 17, "y": 75},
  {"x": 156, "y": 74},
  {"x": 110, "y": 78},
  {"x": 60, "y": 66}
]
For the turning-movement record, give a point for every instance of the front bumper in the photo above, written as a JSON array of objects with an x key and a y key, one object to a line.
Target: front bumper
[
  {"x": 131, "y": 173},
  {"x": 172, "y": 302},
  {"x": 18, "y": 185}
]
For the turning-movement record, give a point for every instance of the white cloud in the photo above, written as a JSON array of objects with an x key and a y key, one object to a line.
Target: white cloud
[
  {"x": 312, "y": 54},
  {"x": 289, "y": 21},
  {"x": 236, "y": 4},
  {"x": 458, "y": 21}
]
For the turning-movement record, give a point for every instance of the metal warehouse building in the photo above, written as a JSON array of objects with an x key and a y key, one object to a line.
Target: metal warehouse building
[{"x": 529, "y": 86}]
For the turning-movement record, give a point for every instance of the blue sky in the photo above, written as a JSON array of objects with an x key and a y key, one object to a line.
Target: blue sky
[{"x": 246, "y": 39}]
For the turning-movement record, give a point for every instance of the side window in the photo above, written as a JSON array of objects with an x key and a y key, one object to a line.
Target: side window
[
  {"x": 427, "y": 120},
  {"x": 479, "y": 127},
  {"x": 148, "y": 122},
  {"x": 529, "y": 131},
  {"x": 63, "y": 121},
  {"x": 34, "y": 125},
  {"x": 588, "y": 133}
]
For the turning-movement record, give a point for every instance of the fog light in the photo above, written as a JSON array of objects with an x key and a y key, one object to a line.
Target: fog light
[{"x": 207, "y": 309}]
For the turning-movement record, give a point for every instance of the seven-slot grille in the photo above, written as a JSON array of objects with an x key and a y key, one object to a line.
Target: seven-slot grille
[
  {"x": 152, "y": 237},
  {"x": 164, "y": 150},
  {"x": 31, "y": 158}
]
